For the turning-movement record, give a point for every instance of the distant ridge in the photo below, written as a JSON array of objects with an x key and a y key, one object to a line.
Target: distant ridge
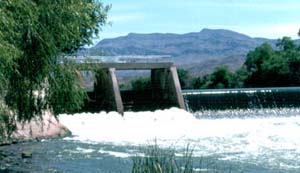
[
  {"x": 208, "y": 42},
  {"x": 206, "y": 49}
]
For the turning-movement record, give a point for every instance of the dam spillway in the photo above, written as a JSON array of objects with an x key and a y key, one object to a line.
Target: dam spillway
[{"x": 242, "y": 98}]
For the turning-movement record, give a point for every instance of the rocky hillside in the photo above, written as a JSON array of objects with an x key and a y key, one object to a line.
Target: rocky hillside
[{"x": 200, "y": 51}]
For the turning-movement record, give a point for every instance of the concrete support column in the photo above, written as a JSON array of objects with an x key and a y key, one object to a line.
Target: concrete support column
[
  {"x": 116, "y": 90},
  {"x": 175, "y": 88},
  {"x": 166, "y": 87},
  {"x": 107, "y": 92}
]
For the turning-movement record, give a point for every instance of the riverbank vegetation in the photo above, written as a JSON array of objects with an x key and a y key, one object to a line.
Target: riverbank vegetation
[
  {"x": 264, "y": 67},
  {"x": 34, "y": 37}
]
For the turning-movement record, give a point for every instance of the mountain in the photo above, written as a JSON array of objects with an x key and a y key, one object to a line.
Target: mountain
[{"x": 197, "y": 51}]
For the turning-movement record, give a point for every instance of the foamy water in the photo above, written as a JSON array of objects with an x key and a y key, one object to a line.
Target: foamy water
[{"x": 266, "y": 140}]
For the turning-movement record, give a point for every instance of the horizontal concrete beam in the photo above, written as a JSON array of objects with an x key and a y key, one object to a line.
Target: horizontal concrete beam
[{"x": 124, "y": 66}]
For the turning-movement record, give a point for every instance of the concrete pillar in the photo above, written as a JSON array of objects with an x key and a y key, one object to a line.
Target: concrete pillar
[
  {"x": 166, "y": 87},
  {"x": 116, "y": 91},
  {"x": 107, "y": 92},
  {"x": 175, "y": 87}
]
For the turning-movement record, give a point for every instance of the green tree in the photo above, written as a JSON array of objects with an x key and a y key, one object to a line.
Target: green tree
[
  {"x": 285, "y": 44},
  {"x": 275, "y": 71},
  {"x": 256, "y": 57},
  {"x": 222, "y": 77},
  {"x": 201, "y": 82},
  {"x": 270, "y": 68},
  {"x": 289, "y": 52},
  {"x": 34, "y": 37},
  {"x": 294, "y": 69},
  {"x": 184, "y": 78},
  {"x": 254, "y": 62},
  {"x": 141, "y": 83},
  {"x": 239, "y": 77}
]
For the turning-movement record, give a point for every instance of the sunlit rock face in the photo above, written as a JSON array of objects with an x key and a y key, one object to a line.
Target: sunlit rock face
[{"x": 45, "y": 127}]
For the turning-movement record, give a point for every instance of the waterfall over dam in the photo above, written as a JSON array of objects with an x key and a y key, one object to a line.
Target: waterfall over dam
[{"x": 242, "y": 98}]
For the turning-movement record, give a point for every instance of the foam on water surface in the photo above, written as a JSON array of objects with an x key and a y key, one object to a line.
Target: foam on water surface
[
  {"x": 269, "y": 140},
  {"x": 133, "y": 128}
]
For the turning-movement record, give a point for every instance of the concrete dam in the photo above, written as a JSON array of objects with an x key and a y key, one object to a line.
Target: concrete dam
[{"x": 165, "y": 86}]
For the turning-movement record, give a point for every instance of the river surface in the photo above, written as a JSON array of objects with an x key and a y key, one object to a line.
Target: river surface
[{"x": 246, "y": 140}]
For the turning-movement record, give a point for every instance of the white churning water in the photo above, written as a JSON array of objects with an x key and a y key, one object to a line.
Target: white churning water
[{"x": 268, "y": 140}]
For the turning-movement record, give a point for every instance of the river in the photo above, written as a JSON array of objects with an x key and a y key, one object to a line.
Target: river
[{"x": 256, "y": 140}]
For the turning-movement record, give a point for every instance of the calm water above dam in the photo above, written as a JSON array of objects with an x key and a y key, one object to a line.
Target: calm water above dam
[
  {"x": 256, "y": 139},
  {"x": 246, "y": 98}
]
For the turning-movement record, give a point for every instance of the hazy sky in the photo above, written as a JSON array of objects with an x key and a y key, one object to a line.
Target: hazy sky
[{"x": 256, "y": 18}]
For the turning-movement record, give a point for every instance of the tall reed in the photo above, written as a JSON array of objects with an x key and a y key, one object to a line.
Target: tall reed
[{"x": 157, "y": 160}]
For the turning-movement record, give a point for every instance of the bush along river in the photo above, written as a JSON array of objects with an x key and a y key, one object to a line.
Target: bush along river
[{"x": 257, "y": 139}]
